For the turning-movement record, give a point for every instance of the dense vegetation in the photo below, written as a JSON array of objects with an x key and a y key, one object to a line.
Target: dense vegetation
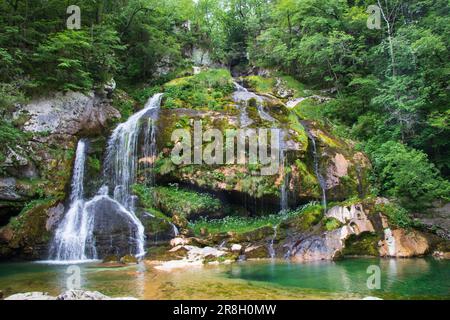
[{"x": 391, "y": 85}]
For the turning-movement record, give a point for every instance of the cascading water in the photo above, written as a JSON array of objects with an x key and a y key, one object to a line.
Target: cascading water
[
  {"x": 319, "y": 176},
  {"x": 72, "y": 239},
  {"x": 122, "y": 153},
  {"x": 271, "y": 249},
  {"x": 238, "y": 97},
  {"x": 122, "y": 159},
  {"x": 284, "y": 206}
]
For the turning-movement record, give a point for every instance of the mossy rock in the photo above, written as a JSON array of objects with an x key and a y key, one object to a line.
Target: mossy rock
[
  {"x": 129, "y": 259},
  {"x": 365, "y": 244},
  {"x": 111, "y": 259},
  {"x": 27, "y": 233},
  {"x": 306, "y": 221}
]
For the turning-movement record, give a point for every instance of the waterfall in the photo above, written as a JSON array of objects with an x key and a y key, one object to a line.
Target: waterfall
[
  {"x": 284, "y": 205},
  {"x": 175, "y": 230},
  {"x": 122, "y": 159},
  {"x": 122, "y": 153},
  {"x": 72, "y": 240},
  {"x": 317, "y": 170},
  {"x": 150, "y": 150},
  {"x": 238, "y": 97},
  {"x": 271, "y": 249}
]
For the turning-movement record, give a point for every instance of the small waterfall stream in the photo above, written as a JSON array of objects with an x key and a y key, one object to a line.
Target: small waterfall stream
[
  {"x": 72, "y": 240},
  {"x": 271, "y": 250},
  {"x": 284, "y": 204},
  {"x": 319, "y": 176}
]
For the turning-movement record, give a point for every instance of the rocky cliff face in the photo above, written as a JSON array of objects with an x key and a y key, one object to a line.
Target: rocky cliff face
[{"x": 318, "y": 167}]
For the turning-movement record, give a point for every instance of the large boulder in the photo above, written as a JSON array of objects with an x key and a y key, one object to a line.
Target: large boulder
[
  {"x": 70, "y": 113},
  {"x": 112, "y": 224}
]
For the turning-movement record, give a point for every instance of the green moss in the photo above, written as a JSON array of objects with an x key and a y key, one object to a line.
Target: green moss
[
  {"x": 29, "y": 227},
  {"x": 309, "y": 217},
  {"x": 295, "y": 85},
  {"x": 397, "y": 216},
  {"x": 362, "y": 245},
  {"x": 332, "y": 224},
  {"x": 260, "y": 84},
  {"x": 243, "y": 225},
  {"x": 301, "y": 135},
  {"x": 208, "y": 90},
  {"x": 187, "y": 203}
]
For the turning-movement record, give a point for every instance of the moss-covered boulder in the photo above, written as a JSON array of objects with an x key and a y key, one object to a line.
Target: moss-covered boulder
[{"x": 28, "y": 235}]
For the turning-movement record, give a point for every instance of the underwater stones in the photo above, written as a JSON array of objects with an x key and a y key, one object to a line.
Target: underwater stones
[
  {"x": 67, "y": 295},
  {"x": 31, "y": 296},
  {"x": 403, "y": 243}
]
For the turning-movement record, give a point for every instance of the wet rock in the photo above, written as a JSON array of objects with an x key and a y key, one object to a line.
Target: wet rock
[
  {"x": 352, "y": 215},
  {"x": 111, "y": 259},
  {"x": 320, "y": 247},
  {"x": 8, "y": 189},
  {"x": 403, "y": 243},
  {"x": 129, "y": 259},
  {"x": 441, "y": 255},
  {"x": 179, "y": 242},
  {"x": 112, "y": 225},
  {"x": 195, "y": 256},
  {"x": 257, "y": 252},
  {"x": 55, "y": 215}
]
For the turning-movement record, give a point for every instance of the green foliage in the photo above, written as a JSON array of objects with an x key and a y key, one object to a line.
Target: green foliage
[
  {"x": 75, "y": 60},
  {"x": 362, "y": 245},
  {"x": 332, "y": 224},
  {"x": 246, "y": 224},
  {"x": 397, "y": 215},
  {"x": 172, "y": 199},
  {"x": 407, "y": 174}
]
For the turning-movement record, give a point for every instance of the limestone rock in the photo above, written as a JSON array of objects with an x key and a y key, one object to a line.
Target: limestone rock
[
  {"x": 67, "y": 114},
  {"x": 403, "y": 243},
  {"x": 257, "y": 252},
  {"x": 236, "y": 247}
]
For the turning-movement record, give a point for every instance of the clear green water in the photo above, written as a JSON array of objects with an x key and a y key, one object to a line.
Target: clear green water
[
  {"x": 346, "y": 279},
  {"x": 400, "y": 278}
]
